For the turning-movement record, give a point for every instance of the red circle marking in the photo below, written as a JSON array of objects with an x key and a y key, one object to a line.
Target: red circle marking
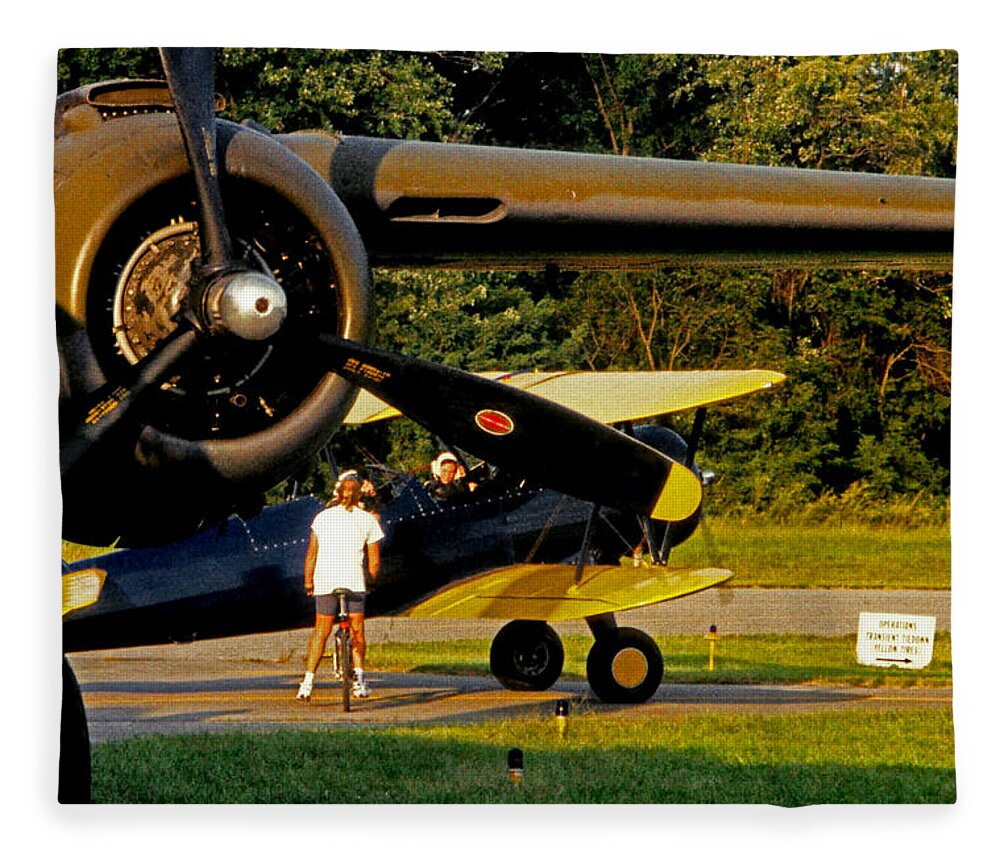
[{"x": 494, "y": 422}]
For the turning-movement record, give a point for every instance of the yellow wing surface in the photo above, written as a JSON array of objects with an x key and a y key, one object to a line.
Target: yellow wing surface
[
  {"x": 612, "y": 396},
  {"x": 549, "y": 592},
  {"x": 81, "y": 588}
]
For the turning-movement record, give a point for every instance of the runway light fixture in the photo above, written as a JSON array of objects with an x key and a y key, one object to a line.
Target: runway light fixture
[
  {"x": 562, "y": 714},
  {"x": 712, "y": 636},
  {"x": 515, "y": 766}
]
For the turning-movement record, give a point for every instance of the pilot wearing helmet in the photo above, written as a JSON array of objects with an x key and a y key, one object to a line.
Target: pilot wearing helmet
[{"x": 448, "y": 483}]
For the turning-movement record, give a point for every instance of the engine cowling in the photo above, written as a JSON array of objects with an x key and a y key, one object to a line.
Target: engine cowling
[
  {"x": 243, "y": 414},
  {"x": 620, "y": 530}
]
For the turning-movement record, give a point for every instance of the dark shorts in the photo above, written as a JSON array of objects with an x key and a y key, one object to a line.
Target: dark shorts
[{"x": 327, "y": 604}]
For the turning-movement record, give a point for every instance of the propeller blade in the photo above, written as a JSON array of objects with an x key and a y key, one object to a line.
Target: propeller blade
[
  {"x": 190, "y": 75},
  {"x": 106, "y": 407},
  {"x": 522, "y": 433}
]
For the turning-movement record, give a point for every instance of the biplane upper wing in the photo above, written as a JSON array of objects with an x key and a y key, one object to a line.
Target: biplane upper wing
[
  {"x": 613, "y": 396},
  {"x": 550, "y": 592}
]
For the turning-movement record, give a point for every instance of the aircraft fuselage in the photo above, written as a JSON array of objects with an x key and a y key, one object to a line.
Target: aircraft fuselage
[{"x": 245, "y": 575}]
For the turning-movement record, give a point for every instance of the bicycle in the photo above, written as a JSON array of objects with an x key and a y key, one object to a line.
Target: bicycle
[{"x": 342, "y": 648}]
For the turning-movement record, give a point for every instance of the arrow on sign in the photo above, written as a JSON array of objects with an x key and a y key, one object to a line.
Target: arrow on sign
[{"x": 892, "y": 660}]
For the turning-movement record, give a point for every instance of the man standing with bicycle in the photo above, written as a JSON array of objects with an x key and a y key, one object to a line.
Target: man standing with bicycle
[{"x": 340, "y": 535}]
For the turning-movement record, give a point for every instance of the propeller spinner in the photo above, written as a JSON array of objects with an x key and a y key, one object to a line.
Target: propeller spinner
[{"x": 235, "y": 299}]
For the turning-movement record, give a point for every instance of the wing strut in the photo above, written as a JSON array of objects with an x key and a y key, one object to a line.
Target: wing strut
[
  {"x": 585, "y": 546},
  {"x": 696, "y": 430},
  {"x": 655, "y": 553}
]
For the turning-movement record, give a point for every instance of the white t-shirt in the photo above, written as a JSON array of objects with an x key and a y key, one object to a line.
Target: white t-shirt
[{"x": 342, "y": 536}]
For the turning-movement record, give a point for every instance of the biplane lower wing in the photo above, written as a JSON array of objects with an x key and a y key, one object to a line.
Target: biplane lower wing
[
  {"x": 549, "y": 592},
  {"x": 612, "y": 396}
]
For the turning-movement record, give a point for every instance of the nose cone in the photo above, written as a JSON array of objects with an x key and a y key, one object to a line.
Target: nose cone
[{"x": 252, "y": 306}]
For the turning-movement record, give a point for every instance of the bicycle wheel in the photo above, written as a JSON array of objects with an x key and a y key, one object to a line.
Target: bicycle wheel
[
  {"x": 334, "y": 655},
  {"x": 344, "y": 652}
]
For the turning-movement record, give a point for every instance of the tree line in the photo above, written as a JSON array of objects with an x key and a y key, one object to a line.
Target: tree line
[{"x": 864, "y": 417}]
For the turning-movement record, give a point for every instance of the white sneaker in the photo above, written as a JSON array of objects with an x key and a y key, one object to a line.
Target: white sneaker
[
  {"x": 305, "y": 692},
  {"x": 360, "y": 690}
]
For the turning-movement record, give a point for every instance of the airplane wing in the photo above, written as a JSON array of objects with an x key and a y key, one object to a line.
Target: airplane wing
[
  {"x": 449, "y": 205},
  {"x": 81, "y": 588},
  {"x": 548, "y": 592},
  {"x": 612, "y": 396}
]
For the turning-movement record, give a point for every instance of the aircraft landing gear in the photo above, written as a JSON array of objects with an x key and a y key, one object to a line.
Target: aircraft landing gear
[
  {"x": 526, "y": 655},
  {"x": 624, "y": 665}
]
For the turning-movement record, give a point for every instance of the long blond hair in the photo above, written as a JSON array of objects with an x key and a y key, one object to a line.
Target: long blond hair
[{"x": 347, "y": 493}]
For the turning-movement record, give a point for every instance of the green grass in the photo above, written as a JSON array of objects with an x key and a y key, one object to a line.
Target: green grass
[
  {"x": 747, "y": 659},
  {"x": 859, "y": 757},
  {"x": 822, "y": 556}
]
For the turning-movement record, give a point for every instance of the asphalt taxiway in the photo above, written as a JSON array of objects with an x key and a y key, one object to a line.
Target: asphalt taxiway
[{"x": 249, "y": 682}]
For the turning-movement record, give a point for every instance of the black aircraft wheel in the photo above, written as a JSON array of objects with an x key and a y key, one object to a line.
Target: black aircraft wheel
[
  {"x": 74, "y": 742},
  {"x": 626, "y": 667},
  {"x": 526, "y": 655}
]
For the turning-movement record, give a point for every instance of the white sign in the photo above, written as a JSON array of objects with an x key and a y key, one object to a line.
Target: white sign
[{"x": 904, "y": 641}]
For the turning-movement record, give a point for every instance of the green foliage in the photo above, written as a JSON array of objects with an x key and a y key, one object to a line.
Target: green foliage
[
  {"x": 78, "y": 66},
  {"x": 891, "y": 113},
  {"x": 355, "y": 92},
  {"x": 476, "y": 320},
  {"x": 671, "y": 320}
]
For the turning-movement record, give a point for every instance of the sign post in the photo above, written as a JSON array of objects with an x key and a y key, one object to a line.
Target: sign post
[{"x": 888, "y": 639}]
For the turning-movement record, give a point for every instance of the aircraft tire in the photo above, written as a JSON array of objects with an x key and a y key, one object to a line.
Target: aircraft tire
[
  {"x": 624, "y": 668},
  {"x": 526, "y": 656},
  {"x": 74, "y": 742}
]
